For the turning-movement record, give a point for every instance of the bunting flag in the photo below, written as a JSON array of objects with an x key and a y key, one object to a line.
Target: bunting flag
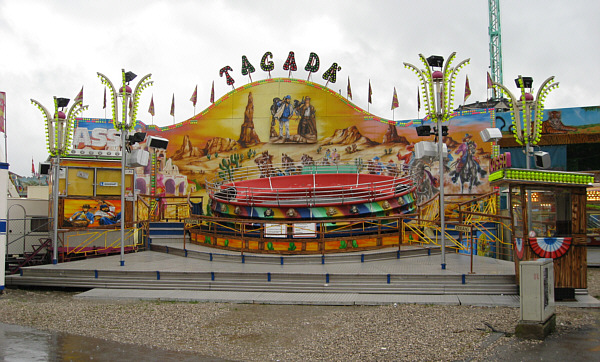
[
  {"x": 349, "y": 90},
  {"x": 489, "y": 81},
  {"x": 467, "y": 89},
  {"x": 370, "y": 92},
  {"x": 194, "y": 96},
  {"x": 551, "y": 248},
  {"x": 418, "y": 100},
  {"x": 104, "y": 105},
  {"x": 2, "y": 111},
  {"x": 79, "y": 96},
  {"x": 212, "y": 93},
  {"x": 151, "y": 108},
  {"x": 395, "y": 100},
  {"x": 173, "y": 106}
]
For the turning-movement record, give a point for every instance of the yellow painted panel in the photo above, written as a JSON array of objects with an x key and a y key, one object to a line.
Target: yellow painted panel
[
  {"x": 80, "y": 181},
  {"x": 312, "y": 246},
  {"x": 364, "y": 243},
  {"x": 389, "y": 240}
]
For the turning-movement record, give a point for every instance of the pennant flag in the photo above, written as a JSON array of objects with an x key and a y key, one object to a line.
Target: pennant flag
[
  {"x": 370, "y": 92},
  {"x": 2, "y": 111},
  {"x": 467, "y": 89},
  {"x": 194, "y": 96},
  {"x": 104, "y": 106},
  {"x": 173, "y": 106},
  {"x": 151, "y": 108},
  {"x": 212, "y": 93},
  {"x": 418, "y": 100},
  {"x": 489, "y": 81},
  {"x": 395, "y": 100},
  {"x": 79, "y": 97},
  {"x": 32, "y": 166},
  {"x": 349, "y": 90},
  {"x": 130, "y": 107}
]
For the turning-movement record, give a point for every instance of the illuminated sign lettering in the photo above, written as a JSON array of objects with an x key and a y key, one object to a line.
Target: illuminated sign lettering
[
  {"x": 98, "y": 138},
  {"x": 500, "y": 162}
]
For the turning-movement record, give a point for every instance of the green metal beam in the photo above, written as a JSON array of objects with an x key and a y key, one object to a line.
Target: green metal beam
[{"x": 495, "y": 43}]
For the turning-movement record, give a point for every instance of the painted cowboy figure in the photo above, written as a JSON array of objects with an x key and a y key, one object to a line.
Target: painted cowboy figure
[
  {"x": 106, "y": 216},
  {"x": 285, "y": 111},
  {"x": 307, "y": 127},
  {"x": 466, "y": 149},
  {"x": 82, "y": 217}
]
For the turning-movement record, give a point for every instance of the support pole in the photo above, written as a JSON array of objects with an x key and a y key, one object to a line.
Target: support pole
[
  {"x": 55, "y": 190},
  {"x": 123, "y": 160},
  {"x": 3, "y": 217},
  {"x": 438, "y": 106}
]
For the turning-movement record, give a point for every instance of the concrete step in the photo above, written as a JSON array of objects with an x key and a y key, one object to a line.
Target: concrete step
[
  {"x": 162, "y": 245},
  {"x": 274, "y": 282},
  {"x": 270, "y": 287}
]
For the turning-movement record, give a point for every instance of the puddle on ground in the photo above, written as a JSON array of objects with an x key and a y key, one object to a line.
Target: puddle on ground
[{"x": 19, "y": 343}]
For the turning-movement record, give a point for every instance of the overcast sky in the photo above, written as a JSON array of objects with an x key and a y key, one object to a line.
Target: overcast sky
[{"x": 53, "y": 48}]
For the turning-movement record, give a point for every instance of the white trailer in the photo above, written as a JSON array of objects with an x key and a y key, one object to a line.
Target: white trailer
[{"x": 27, "y": 223}]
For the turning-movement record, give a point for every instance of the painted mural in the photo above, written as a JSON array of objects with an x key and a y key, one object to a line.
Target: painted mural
[
  {"x": 289, "y": 121},
  {"x": 91, "y": 212},
  {"x": 572, "y": 121}
]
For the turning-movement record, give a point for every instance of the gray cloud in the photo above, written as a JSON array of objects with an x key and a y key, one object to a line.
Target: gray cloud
[{"x": 54, "y": 47}]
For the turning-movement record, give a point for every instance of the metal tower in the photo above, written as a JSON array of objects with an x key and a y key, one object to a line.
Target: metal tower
[{"x": 495, "y": 43}]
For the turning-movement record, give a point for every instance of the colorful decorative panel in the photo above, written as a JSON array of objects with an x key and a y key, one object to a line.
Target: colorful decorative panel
[{"x": 80, "y": 213}]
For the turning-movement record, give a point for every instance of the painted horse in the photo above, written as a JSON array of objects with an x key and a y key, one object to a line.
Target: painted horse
[
  {"x": 289, "y": 166},
  {"x": 426, "y": 184},
  {"x": 265, "y": 164},
  {"x": 467, "y": 169}
]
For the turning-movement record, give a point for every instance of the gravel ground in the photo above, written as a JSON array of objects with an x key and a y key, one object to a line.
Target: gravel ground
[{"x": 292, "y": 333}]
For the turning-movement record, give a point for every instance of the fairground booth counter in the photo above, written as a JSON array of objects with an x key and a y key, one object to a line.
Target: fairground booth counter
[
  {"x": 548, "y": 218},
  {"x": 89, "y": 205}
]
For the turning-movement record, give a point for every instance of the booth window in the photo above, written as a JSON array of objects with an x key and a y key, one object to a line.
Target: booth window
[
  {"x": 95, "y": 182},
  {"x": 80, "y": 181},
  {"x": 39, "y": 224},
  {"x": 517, "y": 210},
  {"x": 109, "y": 182},
  {"x": 551, "y": 212}
]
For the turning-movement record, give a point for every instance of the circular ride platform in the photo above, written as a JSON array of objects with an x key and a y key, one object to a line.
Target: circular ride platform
[{"x": 313, "y": 192}]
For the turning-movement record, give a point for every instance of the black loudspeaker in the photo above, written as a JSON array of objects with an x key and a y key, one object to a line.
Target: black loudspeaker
[
  {"x": 542, "y": 159},
  {"x": 157, "y": 142},
  {"x": 44, "y": 168}
]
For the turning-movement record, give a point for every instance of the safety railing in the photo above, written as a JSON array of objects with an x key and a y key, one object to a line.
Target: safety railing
[
  {"x": 78, "y": 243},
  {"x": 315, "y": 236},
  {"x": 472, "y": 225},
  {"x": 429, "y": 232},
  {"x": 165, "y": 208},
  {"x": 267, "y": 190}
]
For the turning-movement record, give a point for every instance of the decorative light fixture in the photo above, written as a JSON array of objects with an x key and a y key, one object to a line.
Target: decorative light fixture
[
  {"x": 59, "y": 130},
  {"x": 125, "y": 123},
  {"x": 437, "y": 87}
]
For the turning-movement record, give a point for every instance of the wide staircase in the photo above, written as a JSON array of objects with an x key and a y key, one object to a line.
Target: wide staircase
[
  {"x": 413, "y": 269},
  {"x": 360, "y": 272}
]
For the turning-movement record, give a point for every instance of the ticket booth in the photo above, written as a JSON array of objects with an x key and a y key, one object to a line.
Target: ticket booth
[
  {"x": 548, "y": 217},
  {"x": 90, "y": 193}
]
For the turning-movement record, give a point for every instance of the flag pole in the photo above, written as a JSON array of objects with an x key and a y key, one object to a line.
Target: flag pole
[{"x": 5, "y": 127}]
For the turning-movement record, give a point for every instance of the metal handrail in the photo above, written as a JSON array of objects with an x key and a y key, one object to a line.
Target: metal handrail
[{"x": 227, "y": 189}]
